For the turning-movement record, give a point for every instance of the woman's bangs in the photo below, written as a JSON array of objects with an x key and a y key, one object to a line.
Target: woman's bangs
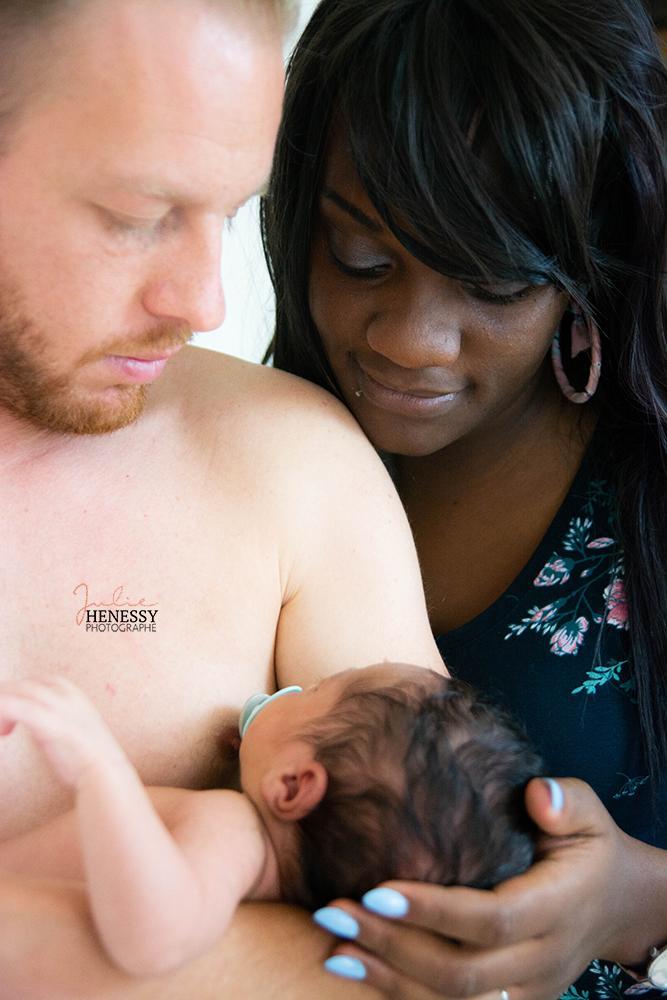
[
  {"x": 431, "y": 167},
  {"x": 444, "y": 217}
]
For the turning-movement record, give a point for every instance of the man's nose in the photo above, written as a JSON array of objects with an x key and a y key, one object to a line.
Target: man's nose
[
  {"x": 187, "y": 284},
  {"x": 420, "y": 327}
]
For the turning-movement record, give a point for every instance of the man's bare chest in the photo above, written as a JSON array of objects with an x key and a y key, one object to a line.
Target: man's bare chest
[{"x": 162, "y": 609}]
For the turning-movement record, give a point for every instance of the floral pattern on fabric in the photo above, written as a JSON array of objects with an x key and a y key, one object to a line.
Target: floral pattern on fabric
[
  {"x": 608, "y": 981},
  {"x": 586, "y": 559},
  {"x": 630, "y": 787},
  {"x": 616, "y": 604},
  {"x": 557, "y": 643}
]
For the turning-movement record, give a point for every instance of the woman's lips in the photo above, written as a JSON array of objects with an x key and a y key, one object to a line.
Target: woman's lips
[{"x": 409, "y": 402}]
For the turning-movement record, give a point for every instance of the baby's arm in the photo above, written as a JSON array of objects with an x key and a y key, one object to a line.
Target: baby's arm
[
  {"x": 156, "y": 898},
  {"x": 53, "y": 849}
]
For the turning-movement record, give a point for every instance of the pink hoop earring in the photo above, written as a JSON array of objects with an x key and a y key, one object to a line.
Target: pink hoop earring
[{"x": 584, "y": 336}]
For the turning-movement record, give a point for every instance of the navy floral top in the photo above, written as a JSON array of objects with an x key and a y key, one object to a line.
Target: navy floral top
[{"x": 553, "y": 650}]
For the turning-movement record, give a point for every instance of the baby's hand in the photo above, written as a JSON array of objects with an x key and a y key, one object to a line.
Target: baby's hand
[{"x": 63, "y": 722}]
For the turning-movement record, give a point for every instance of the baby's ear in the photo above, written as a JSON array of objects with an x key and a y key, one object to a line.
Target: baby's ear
[{"x": 292, "y": 792}]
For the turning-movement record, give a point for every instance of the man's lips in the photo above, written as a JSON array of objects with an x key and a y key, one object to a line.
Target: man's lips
[
  {"x": 143, "y": 369},
  {"x": 148, "y": 357}
]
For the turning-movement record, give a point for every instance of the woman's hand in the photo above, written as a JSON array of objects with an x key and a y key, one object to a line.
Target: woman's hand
[{"x": 587, "y": 896}]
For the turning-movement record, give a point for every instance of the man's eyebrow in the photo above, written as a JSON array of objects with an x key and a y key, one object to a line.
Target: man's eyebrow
[
  {"x": 352, "y": 210},
  {"x": 166, "y": 192},
  {"x": 147, "y": 187}
]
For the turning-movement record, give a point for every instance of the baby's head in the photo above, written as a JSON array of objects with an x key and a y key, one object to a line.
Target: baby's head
[{"x": 389, "y": 772}]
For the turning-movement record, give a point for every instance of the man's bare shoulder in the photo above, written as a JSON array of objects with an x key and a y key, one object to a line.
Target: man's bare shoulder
[{"x": 225, "y": 396}]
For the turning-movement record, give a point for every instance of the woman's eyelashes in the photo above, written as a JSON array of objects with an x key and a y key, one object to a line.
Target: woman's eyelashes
[
  {"x": 357, "y": 257},
  {"x": 495, "y": 296},
  {"x": 364, "y": 272},
  {"x": 375, "y": 270}
]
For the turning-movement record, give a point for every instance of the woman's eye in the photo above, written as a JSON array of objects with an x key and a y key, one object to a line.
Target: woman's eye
[
  {"x": 368, "y": 272},
  {"x": 495, "y": 296}
]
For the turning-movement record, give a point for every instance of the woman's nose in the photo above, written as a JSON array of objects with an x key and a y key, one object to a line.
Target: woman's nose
[{"x": 418, "y": 327}]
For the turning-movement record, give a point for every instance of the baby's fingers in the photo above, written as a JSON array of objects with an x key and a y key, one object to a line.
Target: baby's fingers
[
  {"x": 25, "y": 709},
  {"x": 43, "y": 701}
]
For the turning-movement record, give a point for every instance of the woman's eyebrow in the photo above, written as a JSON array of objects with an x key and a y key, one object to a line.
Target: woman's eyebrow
[{"x": 352, "y": 210}]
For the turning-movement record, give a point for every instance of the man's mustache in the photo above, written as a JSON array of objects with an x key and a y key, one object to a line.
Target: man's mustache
[{"x": 164, "y": 338}]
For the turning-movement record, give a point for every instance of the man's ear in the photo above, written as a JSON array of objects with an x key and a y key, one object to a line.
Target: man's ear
[{"x": 293, "y": 791}]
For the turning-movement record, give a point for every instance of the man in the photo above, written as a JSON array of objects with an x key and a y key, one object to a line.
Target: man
[{"x": 179, "y": 529}]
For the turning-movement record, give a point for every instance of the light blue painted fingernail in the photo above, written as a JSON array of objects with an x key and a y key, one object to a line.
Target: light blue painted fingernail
[
  {"x": 386, "y": 902},
  {"x": 557, "y": 797},
  {"x": 337, "y": 922},
  {"x": 348, "y": 968}
]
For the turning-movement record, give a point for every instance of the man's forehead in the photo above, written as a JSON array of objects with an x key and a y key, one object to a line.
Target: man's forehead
[
  {"x": 160, "y": 105},
  {"x": 155, "y": 57},
  {"x": 157, "y": 45}
]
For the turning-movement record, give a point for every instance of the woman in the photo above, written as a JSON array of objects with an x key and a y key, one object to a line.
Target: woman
[{"x": 466, "y": 233}]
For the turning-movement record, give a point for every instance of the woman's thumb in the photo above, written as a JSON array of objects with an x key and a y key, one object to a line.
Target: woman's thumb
[{"x": 563, "y": 807}]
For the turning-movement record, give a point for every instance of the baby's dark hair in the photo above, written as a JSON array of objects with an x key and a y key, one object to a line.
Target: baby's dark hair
[{"x": 425, "y": 783}]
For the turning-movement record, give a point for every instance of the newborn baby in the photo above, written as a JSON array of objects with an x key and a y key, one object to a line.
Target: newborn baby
[{"x": 390, "y": 771}]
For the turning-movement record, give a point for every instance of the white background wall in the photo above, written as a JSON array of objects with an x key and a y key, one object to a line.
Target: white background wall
[{"x": 248, "y": 293}]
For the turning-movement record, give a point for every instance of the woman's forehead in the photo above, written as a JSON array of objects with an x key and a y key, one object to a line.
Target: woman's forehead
[{"x": 340, "y": 172}]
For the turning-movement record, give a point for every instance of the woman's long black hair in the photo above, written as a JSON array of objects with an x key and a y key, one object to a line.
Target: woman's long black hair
[{"x": 513, "y": 140}]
